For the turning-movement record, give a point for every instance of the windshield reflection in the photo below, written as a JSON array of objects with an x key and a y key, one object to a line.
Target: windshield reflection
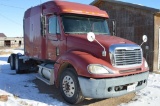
[{"x": 83, "y": 25}]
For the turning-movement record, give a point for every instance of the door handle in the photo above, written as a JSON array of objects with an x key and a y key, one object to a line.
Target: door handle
[{"x": 57, "y": 51}]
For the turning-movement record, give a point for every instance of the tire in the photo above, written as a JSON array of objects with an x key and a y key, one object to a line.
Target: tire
[
  {"x": 69, "y": 87},
  {"x": 12, "y": 61},
  {"x": 18, "y": 64}
]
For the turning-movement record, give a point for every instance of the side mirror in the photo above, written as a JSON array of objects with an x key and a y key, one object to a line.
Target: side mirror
[
  {"x": 147, "y": 47},
  {"x": 114, "y": 27},
  {"x": 144, "y": 38},
  {"x": 90, "y": 36}
]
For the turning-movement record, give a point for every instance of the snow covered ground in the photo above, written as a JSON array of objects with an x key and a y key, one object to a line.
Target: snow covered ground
[
  {"x": 21, "y": 91},
  {"x": 149, "y": 96}
]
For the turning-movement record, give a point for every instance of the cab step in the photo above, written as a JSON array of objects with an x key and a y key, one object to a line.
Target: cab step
[
  {"x": 44, "y": 79},
  {"x": 46, "y": 73}
]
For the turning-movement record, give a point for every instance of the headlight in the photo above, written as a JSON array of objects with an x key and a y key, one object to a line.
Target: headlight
[
  {"x": 145, "y": 64},
  {"x": 98, "y": 69}
]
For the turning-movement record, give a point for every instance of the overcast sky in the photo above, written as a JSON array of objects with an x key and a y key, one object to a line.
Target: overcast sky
[{"x": 12, "y": 11}]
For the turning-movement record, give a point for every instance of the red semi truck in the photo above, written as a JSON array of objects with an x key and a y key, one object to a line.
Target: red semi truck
[{"x": 70, "y": 46}]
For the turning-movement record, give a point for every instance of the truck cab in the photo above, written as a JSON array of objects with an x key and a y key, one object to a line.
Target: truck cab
[{"x": 72, "y": 46}]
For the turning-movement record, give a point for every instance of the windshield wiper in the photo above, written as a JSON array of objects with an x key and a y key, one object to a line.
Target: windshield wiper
[{"x": 76, "y": 32}]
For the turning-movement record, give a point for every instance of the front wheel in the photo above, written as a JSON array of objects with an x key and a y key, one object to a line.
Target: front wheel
[{"x": 69, "y": 87}]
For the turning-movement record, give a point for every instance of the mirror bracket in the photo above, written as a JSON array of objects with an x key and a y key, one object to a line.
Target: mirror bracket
[{"x": 91, "y": 38}]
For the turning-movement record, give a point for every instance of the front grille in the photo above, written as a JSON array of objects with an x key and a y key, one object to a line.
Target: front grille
[{"x": 125, "y": 57}]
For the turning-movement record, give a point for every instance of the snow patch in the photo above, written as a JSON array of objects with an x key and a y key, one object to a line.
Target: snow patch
[
  {"x": 149, "y": 96},
  {"x": 19, "y": 88}
]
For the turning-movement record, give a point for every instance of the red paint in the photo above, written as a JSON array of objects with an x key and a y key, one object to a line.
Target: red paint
[{"x": 73, "y": 49}]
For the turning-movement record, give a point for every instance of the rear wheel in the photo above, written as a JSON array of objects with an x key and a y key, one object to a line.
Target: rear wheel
[
  {"x": 12, "y": 61},
  {"x": 69, "y": 87},
  {"x": 18, "y": 64}
]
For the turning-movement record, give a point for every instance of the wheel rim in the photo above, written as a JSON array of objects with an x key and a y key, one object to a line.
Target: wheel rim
[
  {"x": 16, "y": 64},
  {"x": 68, "y": 86}
]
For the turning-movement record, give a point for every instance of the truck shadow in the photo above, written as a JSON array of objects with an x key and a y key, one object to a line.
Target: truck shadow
[
  {"x": 48, "y": 89},
  {"x": 55, "y": 94}
]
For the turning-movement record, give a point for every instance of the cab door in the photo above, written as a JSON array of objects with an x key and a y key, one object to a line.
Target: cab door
[{"x": 53, "y": 38}]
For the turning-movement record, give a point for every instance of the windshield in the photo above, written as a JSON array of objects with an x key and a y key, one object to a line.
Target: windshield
[{"x": 79, "y": 24}]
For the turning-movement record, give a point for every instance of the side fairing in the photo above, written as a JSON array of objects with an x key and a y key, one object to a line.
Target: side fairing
[{"x": 32, "y": 32}]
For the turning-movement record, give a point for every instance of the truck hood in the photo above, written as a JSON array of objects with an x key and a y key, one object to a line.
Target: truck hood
[
  {"x": 110, "y": 40},
  {"x": 80, "y": 43}
]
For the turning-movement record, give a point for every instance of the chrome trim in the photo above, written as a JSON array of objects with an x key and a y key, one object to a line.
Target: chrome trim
[{"x": 128, "y": 50}]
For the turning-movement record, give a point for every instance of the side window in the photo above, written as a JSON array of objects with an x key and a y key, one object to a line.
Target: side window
[{"x": 53, "y": 25}]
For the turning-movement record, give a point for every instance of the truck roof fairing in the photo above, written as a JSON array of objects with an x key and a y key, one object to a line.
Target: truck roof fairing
[
  {"x": 62, "y": 7},
  {"x": 76, "y": 8}
]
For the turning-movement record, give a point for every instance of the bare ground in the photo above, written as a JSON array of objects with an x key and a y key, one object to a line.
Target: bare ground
[
  {"x": 3, "y": 98},
  {"x": 9, "y": 50},
  {"x": 55, "y": 93},
  {"x": 4, "y": 52}
]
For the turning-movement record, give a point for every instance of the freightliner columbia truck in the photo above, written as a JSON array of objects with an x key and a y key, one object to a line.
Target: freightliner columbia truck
[{"x": 70, "y": 46}]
